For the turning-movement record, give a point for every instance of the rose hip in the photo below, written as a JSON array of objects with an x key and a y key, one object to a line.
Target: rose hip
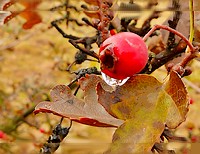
[{"x": 123, "y": 55}]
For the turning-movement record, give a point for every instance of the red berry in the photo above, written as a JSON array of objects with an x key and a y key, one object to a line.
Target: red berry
[
  {"x": 190, "y": 126},
  {"x": 42, "y": 130},
  {"x": 2, "y": 135},
  {"x": 191, "y": 101},
  {"x": 113, "y": 32},
  {"x": 123, "y": 55},
  {"x": 194, "y": 139}
]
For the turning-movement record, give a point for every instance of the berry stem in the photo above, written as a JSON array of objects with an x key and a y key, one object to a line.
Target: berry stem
[
  {"x": 188, "y": 58},
  {"x": 170, "y": 30}
]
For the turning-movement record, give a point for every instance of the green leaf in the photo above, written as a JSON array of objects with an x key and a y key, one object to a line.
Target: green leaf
[
  {"x": 138, "y": 135},
  {"x": 144, "y": 105},
  {"x": 138, "y": 94}
]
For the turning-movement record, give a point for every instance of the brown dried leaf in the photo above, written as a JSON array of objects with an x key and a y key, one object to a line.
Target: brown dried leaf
[
  {"x": 87, "y": 111},
  {"x": 178, "y": 92}
]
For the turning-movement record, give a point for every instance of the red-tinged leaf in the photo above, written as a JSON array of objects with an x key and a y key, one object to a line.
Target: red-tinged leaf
[
  {"x": 4, "y": 16},
  {"x": 87, "y": 111},
  {"x": 177, "y": 90},
  {"x": 29, "y": 13},
  {"x": 4, "y": 4},
  {"x": 32, "y": 18},
  {"x": 91, "y": 122}
]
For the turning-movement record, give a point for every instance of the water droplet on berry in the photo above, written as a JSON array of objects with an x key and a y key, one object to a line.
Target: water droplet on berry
[{"x": 113, "y": 82}]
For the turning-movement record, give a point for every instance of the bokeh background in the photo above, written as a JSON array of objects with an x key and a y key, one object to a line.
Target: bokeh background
[{"x": 30, "y": 65}]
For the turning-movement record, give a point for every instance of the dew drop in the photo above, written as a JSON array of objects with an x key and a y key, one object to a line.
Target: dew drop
[{"x": 113, "y": 82}]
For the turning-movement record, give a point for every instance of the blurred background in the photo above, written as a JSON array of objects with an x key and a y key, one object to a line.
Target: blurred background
[{"x": 32, "y": 63}]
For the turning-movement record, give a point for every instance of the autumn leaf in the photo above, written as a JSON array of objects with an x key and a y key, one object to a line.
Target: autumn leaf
[
  {"x": 4, "y": 4},
  {"x": 144, "y": 106},
  {"x": 4, "y": 16},
  {"x": 178, "y": 110},
  {"x": 139, "y": 93},
  {"x": 87, "y": 111},
  {"x": 32, "y": 18},
  {"x": 30, "y": 13},
  {"x": 140, "y": 133},
  {"x": 141, "y": 108}
]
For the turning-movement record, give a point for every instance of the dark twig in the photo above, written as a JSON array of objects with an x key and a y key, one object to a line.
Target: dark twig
[
  {"x": 56, "y": 8},
  {"x": 83, "y": 72},
  {"x": 64, "y": 5},
  {"x": 160, "y": 149},
  {"x": 163, "y": 57},
  {"x": 146, "y": 25},
  {"x": 170, "y": 137},
  {"x": 88, "y": 52},
  {"x": 54, "y": 24},
  {"x": 87, "y": 41},
  {"x": 173, "y": 23},
  {"x": 89, "y": 23}
]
